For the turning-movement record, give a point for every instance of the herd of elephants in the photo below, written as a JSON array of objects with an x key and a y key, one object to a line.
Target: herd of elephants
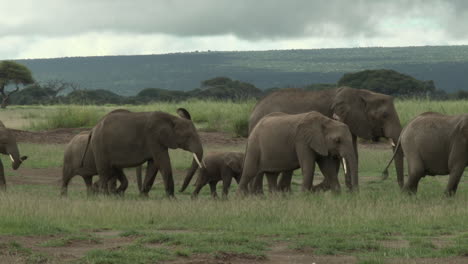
[{"x": 288, "y": 129}]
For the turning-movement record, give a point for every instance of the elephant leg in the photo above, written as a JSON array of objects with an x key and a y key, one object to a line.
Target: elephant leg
[
  {"x": 120, "y": 175},
  {"x": 112, "y": 183},
  {"x": 256, "y": 185},
  {"x": 248, "y": 173},
  {"x": 2, "y": 178},
  {"x": 213, "y": 189},
  {"x": 150, "y": 176},
  {"x": 66, "y": 177},
  {"x": 454, "y": 179},
  {"x": 284, "y": 184},
  {"x": 138, "y": 173},
  {"x": 329, "y": 167},
  {"x": 415, "y": 173},
  {"x": 226, "y": 184},
  {"x": 306, "y": 157},
  {"x": 272, "y": 178},
  {"x": 166, "y": 171},
  {"x": 89, "y": 184}
]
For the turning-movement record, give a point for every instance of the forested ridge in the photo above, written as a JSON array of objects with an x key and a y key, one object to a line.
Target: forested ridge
[{"x": 127, "y": 75}]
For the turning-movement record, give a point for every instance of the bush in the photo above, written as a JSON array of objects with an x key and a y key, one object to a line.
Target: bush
[{"x": 69, "y": 117}]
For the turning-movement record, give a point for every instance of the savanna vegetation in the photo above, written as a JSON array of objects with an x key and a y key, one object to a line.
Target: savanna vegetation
[{"x": 377, "y": 225}]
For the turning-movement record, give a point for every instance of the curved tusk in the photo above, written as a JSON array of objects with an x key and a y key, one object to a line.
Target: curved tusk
[
  {"x": 393, "y": 143},
  {"x": 197, "y": 160},
  {"x": 11, "y": 157},
  {"x": 344, "y": 165}
]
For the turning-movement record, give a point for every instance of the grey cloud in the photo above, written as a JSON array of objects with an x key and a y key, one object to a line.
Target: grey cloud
[{"x": 246, "y": 19}]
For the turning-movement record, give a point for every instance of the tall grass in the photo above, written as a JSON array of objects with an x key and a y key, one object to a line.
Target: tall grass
[{"x": 226, "y": 116}]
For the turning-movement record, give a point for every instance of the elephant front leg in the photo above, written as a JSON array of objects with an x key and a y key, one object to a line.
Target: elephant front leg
[
  {"x": 166, "y": 172},
  {"x": 227, "y": 179},
  {"x": 2, "y": 178},
  {"x": 272, "y": 178},
  {"x": 89, "y": 185},
  {"x": 214, "y": 194},
  {"x": 284, "y": 184},
  {"x": 329, "y": 167},
  {"x": 150, "y": 176}
]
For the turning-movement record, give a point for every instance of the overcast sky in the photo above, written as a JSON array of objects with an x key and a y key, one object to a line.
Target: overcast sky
[{"x": 66, "y": 28}]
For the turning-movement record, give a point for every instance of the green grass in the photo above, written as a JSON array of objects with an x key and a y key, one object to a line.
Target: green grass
[{"x": 163, "y": 229}]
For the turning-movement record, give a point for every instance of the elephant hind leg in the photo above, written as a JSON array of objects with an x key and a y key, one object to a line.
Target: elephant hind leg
[
  {"x": 272, "y": 178},
  {"x": 213, "y": 189},
  {"x": 119, "y": 175},
  {"x": 454, "y": 179},
  {"x": 415, "y": 173}
]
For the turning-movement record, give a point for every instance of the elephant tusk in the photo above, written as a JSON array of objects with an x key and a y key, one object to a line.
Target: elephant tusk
[
  {"x": 393, "y": 143},
  {"x": 344, "y": 165},
  {"x": 336, "y": 117},
  {"x": 197, "y": 160},
  {"x": 11, "y": 157}
]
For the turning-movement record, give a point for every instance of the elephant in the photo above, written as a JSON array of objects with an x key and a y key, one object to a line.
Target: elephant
[
  {"x": 369, "y": 115},
  {"x": 284, "y": 142},
  {"x": 8, "y": 146},
  {"x": 218, "y": 166},
  {"x": 72, "y": 166},
  {"x": 128, "y": 139},
  {"x": 435, "y": 144}
]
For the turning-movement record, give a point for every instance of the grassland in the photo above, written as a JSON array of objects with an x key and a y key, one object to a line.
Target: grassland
[{"x": 377, "y": 225}]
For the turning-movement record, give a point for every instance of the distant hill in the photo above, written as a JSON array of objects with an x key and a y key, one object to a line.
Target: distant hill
[{"x": 447, "y": 66}]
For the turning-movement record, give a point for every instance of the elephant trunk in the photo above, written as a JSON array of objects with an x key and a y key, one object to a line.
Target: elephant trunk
[
  {"x": 350, "y": 166},
  {"x": 393, "y": 131},
  {"x": 197, "y": 162}
]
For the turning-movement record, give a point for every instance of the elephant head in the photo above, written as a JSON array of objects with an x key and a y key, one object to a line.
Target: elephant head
[
  {"x": 181, "y": 133},
  {"x": 328, "y": 137},
  {"x": 9, "y": 147},
  {"x": 370, "y": 115},
  {"x": 234, "y": 161}
]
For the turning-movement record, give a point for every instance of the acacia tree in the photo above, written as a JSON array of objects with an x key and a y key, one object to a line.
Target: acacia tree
[{"x": 12, "y": 73}]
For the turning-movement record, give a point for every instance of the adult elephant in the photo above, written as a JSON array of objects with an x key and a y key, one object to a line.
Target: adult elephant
[
  {"x": 128, "y": 139},
  {"x": 8, "y": 146},
  {"x": 435, "y": 144},
  {"x": 368, "y": 115},
  {"x": 74, "y": 165},
  {"x": 303, "y": 139}
]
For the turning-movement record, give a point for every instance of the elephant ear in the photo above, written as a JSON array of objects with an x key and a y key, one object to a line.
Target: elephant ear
[
  {"x": 182, "y": 112},
  {"x": 233, "y": 163},
  {"x": 350, "y": 107},
  {"x": 167, "y": 136},
  {"x": 311, "y": 130}
]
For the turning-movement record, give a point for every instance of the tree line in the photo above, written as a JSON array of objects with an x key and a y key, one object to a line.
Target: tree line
[{"x": 17, "y": 86}]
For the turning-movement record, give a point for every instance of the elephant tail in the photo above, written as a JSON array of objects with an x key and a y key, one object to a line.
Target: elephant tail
[
  {"x": 86, "y": 149},
  {"x": 395, "y": 151}
]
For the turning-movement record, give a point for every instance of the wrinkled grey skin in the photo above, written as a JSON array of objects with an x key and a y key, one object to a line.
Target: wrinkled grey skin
[
  {"x": 124, "y": 140},
  {"x": 435, "y": 144},
  {"x": 72, "y": 165},
  {"x": 8, "y": 146},
  {"x": 283, "y": 142},
  {"x": 219, "y": 167},
  {"x": 368, "y": 115}
]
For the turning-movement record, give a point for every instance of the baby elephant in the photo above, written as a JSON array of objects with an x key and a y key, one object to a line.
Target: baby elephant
[
  {"x": 435, "y": 144},
  {"x": 218, "y": 166}
]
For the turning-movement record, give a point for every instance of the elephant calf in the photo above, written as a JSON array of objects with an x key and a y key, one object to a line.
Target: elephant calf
[
  {"x": 8, "y": 146},
  {"x": 435, "y": 144},
  {"x": 218, "y": 166},
  {"x": 74, "y": 165}
]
